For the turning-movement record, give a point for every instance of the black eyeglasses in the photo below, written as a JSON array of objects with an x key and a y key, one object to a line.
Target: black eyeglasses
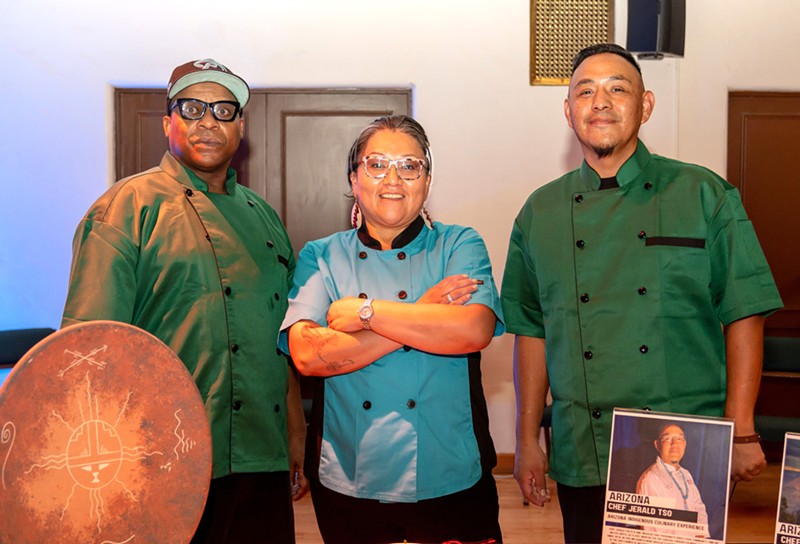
[{"x": 193, "y": 109}]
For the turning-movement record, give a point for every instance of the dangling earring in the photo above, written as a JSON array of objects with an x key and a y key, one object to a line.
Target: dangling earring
[
  {"x": 355, "y": 216},
  {"x": 426, "y": 217}
]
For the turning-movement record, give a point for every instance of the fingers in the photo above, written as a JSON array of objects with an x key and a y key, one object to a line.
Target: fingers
[
  {"x": 458, "y": 281},
  {"x": 748, "y": 462},
  {"x": 458, "y": 289},
  {"x": 526, "y": 487},
  {"x": 540, "y": 496},
  {"x": 752, "y": 472},
  {"x": 533, "y": 493},
  {"x": 299, "y": 485},
  {"x": 457, "y": 299},
  {"x": 529, "y": 471},
  {"x": 747, "y": 475}
]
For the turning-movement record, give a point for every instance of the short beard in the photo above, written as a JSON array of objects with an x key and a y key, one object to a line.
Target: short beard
[{"x": 603, "y": 152}]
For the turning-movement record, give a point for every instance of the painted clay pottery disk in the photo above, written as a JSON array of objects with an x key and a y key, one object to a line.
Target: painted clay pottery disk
[{"x": 103, "y": 439}]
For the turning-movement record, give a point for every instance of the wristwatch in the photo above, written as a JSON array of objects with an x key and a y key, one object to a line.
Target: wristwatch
[{"x": 365, "y": 314}]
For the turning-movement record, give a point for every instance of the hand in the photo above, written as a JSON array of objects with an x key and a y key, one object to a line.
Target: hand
[
  {"x": 343, "y": 315},
  {"x": 299, "y": 484},
  {"x": 456, "y": 289},
  {"x": 530, "y": 465},
  {"x": 748, "y": 461},
  {"x": 297, "y": 440}
]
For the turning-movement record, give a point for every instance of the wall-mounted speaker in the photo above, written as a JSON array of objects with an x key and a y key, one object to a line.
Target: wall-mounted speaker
[{"x": 656, "y": 28}]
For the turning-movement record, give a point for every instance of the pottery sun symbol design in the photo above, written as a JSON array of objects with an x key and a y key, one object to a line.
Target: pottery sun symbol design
[{"x": 94, "y": 455}]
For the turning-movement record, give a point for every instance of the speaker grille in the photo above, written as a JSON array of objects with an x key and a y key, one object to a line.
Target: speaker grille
[{"x": 561, "y": 28}]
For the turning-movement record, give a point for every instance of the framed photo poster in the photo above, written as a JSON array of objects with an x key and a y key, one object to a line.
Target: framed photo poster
[
  {"x": 787, "y": 526},
  {"x": 668, "y": 478}
]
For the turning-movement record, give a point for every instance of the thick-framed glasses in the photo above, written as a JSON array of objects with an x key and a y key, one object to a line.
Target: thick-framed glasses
[
  {"x": 672, "y": 440},
  {"x": 408, "y": 168},
  {"x": 193, "y": 109}
]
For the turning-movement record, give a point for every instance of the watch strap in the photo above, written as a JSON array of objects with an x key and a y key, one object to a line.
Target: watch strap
[{"x": 748, "y": 439}]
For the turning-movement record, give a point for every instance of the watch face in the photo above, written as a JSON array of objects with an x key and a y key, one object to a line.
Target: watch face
[{"x": 365, "y": 312}]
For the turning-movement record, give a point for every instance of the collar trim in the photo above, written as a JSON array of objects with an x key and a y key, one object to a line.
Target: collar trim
[{"x": 401, "y": 240}]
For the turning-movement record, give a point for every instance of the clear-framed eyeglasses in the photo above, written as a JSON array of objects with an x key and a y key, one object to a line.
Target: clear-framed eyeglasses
[
  {"x": 407, "y": 168},
  {"x": 672, "y": 439},
  {"x": 193, "y": 109}
]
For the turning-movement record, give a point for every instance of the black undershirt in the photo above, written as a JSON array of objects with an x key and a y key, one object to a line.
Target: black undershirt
[{"x": 608, "y": 183}]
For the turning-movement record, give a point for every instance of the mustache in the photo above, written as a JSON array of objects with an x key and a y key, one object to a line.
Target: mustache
[{"x": 205, "y": 139}]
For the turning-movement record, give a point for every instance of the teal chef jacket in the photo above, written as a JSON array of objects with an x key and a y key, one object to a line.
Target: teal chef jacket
[
  {"x": 629, "y": 287},
  {"x": 209, "y": 280},
  {"x": 411, "y": 425}
]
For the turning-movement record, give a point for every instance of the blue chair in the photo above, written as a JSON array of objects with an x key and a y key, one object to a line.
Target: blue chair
[{"x": 15, "y": 343}]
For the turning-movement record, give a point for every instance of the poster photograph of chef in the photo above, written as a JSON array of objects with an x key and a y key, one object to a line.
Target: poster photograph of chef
[
  {"x": 787, "y": 527},
  {"x": 668, "y": 478}
]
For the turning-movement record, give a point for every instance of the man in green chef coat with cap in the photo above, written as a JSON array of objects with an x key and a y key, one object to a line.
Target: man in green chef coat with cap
[{"x": 188, "y": 254}]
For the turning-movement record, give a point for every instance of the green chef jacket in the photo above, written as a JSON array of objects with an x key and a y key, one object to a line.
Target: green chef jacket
[
  {"x": 630, "y": 286},
  {"x": 156, "y": 252}
]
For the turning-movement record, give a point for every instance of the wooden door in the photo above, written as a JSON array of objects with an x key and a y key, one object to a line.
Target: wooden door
[
  {"x": 305, "y": 138},
  {"x": 294, "y": 152},
  {"x": 764, "y": 163},
  {"x": 139, "y": 141}
]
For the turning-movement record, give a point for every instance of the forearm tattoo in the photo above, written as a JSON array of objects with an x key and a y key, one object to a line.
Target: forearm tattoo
[{"x": 317, "y": 339}]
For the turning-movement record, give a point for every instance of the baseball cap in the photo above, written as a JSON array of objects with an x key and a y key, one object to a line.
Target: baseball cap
[{"x": 203, "y": 70}]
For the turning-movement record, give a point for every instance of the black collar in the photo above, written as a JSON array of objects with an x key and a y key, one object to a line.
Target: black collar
[{"x": 401, "y": 240}]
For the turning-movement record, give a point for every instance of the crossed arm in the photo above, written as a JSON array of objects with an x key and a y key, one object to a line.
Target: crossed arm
[{"x": 432, "y": 324}]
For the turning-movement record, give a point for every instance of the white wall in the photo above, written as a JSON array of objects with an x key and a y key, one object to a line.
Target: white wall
[
  {"x": 732, "y": 45},
  {"x": 495, "y": 138}
]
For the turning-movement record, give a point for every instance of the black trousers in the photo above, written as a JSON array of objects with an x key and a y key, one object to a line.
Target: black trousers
[
  {"x": 582, "y": 513},
  {"x": 252, "y": 508},
  {"x": 466, "y": 516}
]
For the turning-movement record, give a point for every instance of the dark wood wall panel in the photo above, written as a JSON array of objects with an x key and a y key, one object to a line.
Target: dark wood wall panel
[{"x": 764, "y": 163}]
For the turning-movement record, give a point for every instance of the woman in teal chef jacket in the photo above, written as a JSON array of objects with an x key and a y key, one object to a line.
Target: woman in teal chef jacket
[{"x": 391, "y": 316}]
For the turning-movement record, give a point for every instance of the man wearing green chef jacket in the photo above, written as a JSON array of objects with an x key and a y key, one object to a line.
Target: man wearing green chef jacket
[
  {"x": 188, "y": 254},
  {"x": 634, "y": 281}
]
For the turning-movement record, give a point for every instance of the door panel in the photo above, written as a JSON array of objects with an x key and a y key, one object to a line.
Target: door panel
[
  {"x": 309, "y": 210},
  {"x": 764, "y": 163},
  {"x": 139, "y": 133},
  {"x": 306, "y": 172}
]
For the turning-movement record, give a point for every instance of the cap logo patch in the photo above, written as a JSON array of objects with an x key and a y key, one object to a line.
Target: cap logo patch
[{"x": 206, "y": 64}]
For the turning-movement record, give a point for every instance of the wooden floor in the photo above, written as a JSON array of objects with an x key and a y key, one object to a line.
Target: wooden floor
[{"x": 751, "y": 518}]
